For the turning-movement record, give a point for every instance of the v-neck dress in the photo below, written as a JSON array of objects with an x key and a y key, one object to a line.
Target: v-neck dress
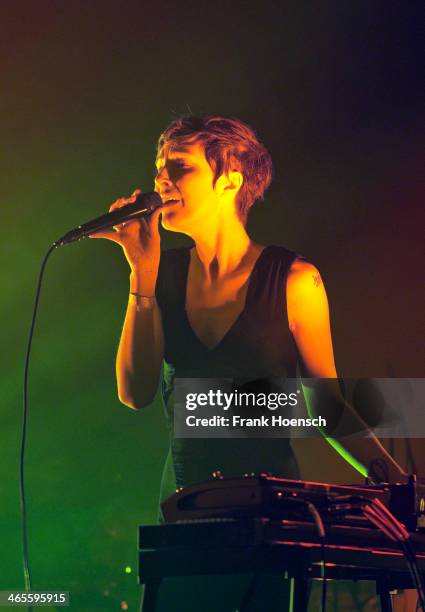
[{"x": 259, "y": 345}]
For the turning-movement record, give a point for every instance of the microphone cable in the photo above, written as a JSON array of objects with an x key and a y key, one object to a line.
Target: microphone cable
[
  {"x": 153, "y": 201},
  {"x": 22, "y": 493}
]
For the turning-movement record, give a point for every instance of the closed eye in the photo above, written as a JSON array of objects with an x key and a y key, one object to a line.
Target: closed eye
[
  {"x": 176, "y": 168},
  {"x": 179, "y": 163}
]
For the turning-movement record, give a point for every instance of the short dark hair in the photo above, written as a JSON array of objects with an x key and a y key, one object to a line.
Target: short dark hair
[{"x": 229, "y": 144}]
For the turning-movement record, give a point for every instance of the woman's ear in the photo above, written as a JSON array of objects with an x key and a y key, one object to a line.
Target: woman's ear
[{"x": 229, "y": 184}]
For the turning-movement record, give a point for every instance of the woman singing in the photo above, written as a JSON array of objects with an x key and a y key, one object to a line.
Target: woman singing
[{"x": 226, "y": 307}]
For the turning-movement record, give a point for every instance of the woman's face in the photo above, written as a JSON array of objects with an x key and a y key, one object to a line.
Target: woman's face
[{"x": 185, "y": 177}]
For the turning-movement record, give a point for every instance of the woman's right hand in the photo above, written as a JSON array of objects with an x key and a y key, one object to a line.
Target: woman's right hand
[{"x": 139, "y": 239}]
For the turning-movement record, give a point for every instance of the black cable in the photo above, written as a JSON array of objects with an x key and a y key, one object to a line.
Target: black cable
[
  {"x": 247, "y": 596},
  {"x": 378, "y": 471},
  {"x": 322, "y": 535},
  {"x": 22, "y": 498},
  {"x": 249, "y": 592},
  {"x": 407, "y": 545},
  {"x": 410, "y": 459},
  {"x": 418, "y": 581},
  {"x": 377, "y": 513}
]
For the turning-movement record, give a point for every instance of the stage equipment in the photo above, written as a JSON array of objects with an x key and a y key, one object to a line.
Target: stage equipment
[
  {"x": 268, "y": 496},
  {"x": 262, "y": 524}
]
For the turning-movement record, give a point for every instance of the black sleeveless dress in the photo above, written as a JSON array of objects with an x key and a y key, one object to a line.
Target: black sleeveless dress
[{"x": 258, "y": 346}]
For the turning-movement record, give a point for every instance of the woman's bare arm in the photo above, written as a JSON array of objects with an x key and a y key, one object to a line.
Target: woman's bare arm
[
  {"x": 308, "y": 316},
  {"x": 141, "y": 347}
]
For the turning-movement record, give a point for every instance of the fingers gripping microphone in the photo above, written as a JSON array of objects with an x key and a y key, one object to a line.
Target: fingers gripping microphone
[{"x": 144, "y": 206}]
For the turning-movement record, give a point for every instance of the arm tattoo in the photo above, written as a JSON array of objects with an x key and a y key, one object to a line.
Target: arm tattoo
[{"x": 317, "y": 280}]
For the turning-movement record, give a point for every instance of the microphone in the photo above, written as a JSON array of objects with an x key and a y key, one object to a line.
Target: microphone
[{"x": 144, "y": 206}]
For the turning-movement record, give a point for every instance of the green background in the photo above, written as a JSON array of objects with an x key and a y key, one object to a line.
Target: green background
[{"x": 335, "y": 90}]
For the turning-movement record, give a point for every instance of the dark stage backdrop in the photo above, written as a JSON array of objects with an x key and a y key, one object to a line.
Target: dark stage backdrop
[{"x": 335, "y": 90}]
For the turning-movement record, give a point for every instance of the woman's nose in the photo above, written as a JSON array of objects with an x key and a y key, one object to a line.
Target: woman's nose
[{"x": 162, "y": 178}]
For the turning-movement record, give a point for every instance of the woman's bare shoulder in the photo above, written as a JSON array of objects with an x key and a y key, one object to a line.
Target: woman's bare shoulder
[{"x": 303, "y": 274}]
